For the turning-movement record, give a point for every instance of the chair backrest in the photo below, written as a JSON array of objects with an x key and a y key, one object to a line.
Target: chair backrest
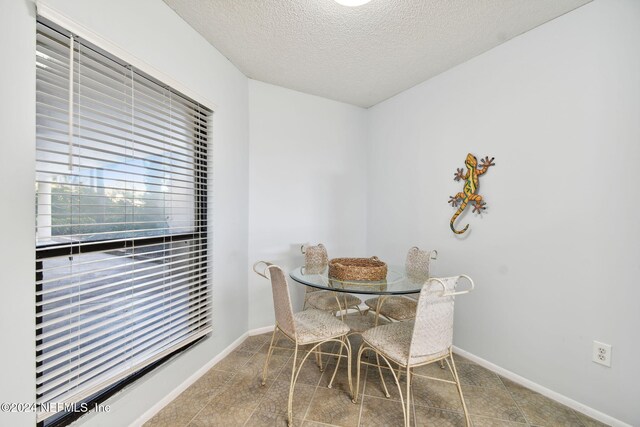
[
  {"x": 418, "y": 263},
  {"x": 315, "y": 258},
  {"x": 433, "y": 328},
  {"x": 281, "y": 299}
]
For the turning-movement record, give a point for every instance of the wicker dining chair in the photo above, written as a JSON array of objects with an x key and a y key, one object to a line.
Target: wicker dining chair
[
  {"x": 309, "y": 328},
  {"x": 399, "y": 308},
  {"x": 316, "y": 261},
  {"x": 427, "y": 339}
]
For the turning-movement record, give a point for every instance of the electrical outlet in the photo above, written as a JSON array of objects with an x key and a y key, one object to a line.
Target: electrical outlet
[{"x": 602, "y": 353}]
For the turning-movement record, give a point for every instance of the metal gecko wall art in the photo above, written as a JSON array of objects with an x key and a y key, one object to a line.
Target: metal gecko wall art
[{"x": 470, "y": 190}]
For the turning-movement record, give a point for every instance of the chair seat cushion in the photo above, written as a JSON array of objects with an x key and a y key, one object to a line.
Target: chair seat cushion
[
  {"x": 326, "y": 300},
  {"x": 393, "y": 341},
  {"x": 395, "y": 307},
  {"x": 317, "y": 325}
]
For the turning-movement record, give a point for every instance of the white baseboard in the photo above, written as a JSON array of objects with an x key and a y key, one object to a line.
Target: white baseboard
[
  {"x": 192, "y": 379},
  {"x": 604, "y": 418},
  {"x": 259, "y": 331}
]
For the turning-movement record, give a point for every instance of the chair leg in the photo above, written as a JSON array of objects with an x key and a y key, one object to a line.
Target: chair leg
[
  {"x": 454, "y": 371},
  {"x": 319, "y": 360},
  {"x": 340, "y": 309},
  {"x": 396, "y": 378},
  {"x": 266, "y": 362},
  {"x": 295, "y": 371},
  {"x": 393, "y": 372},
  {"x": 354, "y": 398},
  {"x": 408, "y": 403},
  {"x": 292, "y": 385},
  {"x": 381, "y": 299},
  {"x": 337, "y": 364},
  {"x": 384, "y": 384},
  {"x": 344, "y": 342},
  {"x": 349, "y": 353}
]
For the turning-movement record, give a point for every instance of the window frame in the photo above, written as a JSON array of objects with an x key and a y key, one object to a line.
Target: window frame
[{"x": 201, "y": 145}]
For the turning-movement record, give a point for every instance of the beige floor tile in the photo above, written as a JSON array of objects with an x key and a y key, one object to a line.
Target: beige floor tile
[
  {"x": 279, "y": 351},
  {"x": 256, "y": 363},
  {"x": 181, "y": 410},
  {"x": 308, "y": 423},
  {"x": 333, "y": 407},
  {"x": 267, "y": 335},
  {"x": 244, "y": 391},
  {"x": 253, "y": 343},
  {"x": 459, "y": 359},
  {"x": 220, "y": 415},
  {"x": 310, "y": 374},
  {"x": 493, "y": 422},
  {"x": 381, "y": 412},
  {"x": 233, "y": 361},
  {"x": 355, "y": 340},
  {"x": 434, "y": 370},
  {"x": 177, "y": 413},
  {"x": 374, "y": 388},
  {"x": 492, "y": 403},
  {"x": 433, "y": 417},
  {"x": 209, "y": 385},
  {"x": 328, "y": 353},
  {"x": 341, "y": 380},
  {"x": 329, "y": 347},
  {"x": 436, "y": 394},
  {"x": 472, "y": 374},
  {"x": 282, "y": 346},
  {"x": 540, "y": 410},
  {"x": 268, "y": 419},
  {"x": 276, "y": 399},
  {"x": 230, "y": 394},
  {"x": 283, "y": 341}
]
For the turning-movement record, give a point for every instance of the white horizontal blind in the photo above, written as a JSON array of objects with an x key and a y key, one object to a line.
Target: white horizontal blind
[{"x": 121, "y": 225}]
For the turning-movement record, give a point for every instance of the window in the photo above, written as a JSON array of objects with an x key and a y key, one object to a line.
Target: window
[{"x": 121, "y": 221}]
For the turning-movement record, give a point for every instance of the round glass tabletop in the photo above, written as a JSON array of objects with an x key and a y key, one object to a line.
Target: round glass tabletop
[{"x": 397, "y": 283}]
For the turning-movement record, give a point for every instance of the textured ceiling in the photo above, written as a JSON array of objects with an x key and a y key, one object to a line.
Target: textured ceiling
[{"x": 360, "y": 55}]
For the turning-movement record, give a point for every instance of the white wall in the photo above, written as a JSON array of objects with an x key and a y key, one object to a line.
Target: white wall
[
  {"x": 555, "y": 256},
  {"x": 151, "y": 31},
  {"x": 17, "y": 208},
  {"x": 307, "y": 183}
]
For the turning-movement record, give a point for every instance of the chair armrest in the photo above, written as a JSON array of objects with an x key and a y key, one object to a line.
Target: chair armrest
[
  {"x": 449, "y": 294},
  {"x": 262, "y": 273},
  {"x": 465, "y": 291}
]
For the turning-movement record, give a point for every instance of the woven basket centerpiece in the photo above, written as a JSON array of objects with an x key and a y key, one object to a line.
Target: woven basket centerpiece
[{"x": 358, "y": 269}]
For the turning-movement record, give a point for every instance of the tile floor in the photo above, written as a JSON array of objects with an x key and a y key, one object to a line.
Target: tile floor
[{"x": 230, "y": 395}]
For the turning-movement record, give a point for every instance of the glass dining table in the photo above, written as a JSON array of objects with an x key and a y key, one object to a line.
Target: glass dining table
[{"x": 396, "y": 283}]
